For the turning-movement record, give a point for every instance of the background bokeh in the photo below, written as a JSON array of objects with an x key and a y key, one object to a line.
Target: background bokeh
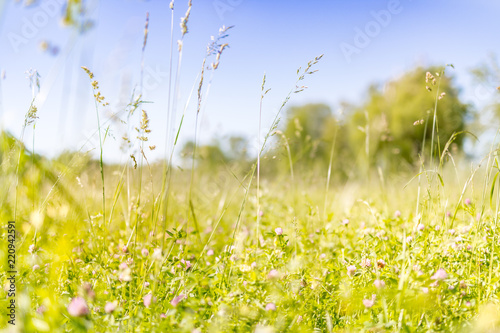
[{"x": 272, "y": 37}]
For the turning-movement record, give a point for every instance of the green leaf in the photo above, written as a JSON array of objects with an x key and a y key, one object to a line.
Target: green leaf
[{"x": 493, "y": 188}]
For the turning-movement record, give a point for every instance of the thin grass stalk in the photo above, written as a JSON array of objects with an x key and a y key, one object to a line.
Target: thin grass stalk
[
  {"x": 329, "y": 173},
  {"x": 190, "y": 198},
  {"x": 166, "y": 186},
  {"x": 263, "y": 93},
  {"x": 169, "y": 110},
  {"x": 30, "y": 118},
  {"x": 274, "y": 125}
]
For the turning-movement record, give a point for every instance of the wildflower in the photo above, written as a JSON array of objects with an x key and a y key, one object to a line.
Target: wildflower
[
  {"x": 253, "y": 265},
  {"x": 368, "y": 303},
  {"x": 78, "y": 307},
  {"x": 273, "y": 274},
  {"x": 177, "y": 299},
  {"x": 365, "y": 262},
  {"x": 381, "y": 263},
  {"x": 299, "y": 319},
  {"x": 420, "y": 227},
  {"x": 467, "y": 201},
  {"x": 351, "y": 270},
  {"x": 322, "y": 256},
  {"x": 462, "y": 284},
  {"x": 278, "y": 231},
  {"x": 146, "y": 284},
  {"x": 186, "y": 263},
  {"x": 148, "y": 299},
  {"x": 271, "y": 307},
  {"x": 125, "y": 275},
  {"x": 163, "y": 316},
  {"x": 157, "y": 254},
  {"x": 451, "y": 231},
  {"x": 145, "y": 252},
  {"x": 32, "y": 248},
  {"x": 425, "y": 290},
  {"x": 397, "y": 214},
  {"x": 429, "y": 77},
  {"x": 36, "y": 267},
  {"x": 41, "y": 309},
  {"x": 345, "y": 222},
  {"x": 409, "y": 239},
  {"x": 124, "y": 272},
  {"x": 110, "y": 307},
  {"x": 210, "y": 252},
  {"x": 379, "y": 284},
  {"x": 439, "y": 275}
]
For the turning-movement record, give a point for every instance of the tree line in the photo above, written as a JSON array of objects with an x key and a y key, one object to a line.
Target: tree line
[{"x": 390, "y": 128}]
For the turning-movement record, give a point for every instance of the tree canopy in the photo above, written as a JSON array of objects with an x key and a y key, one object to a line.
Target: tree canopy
[{"x": 391, "y": 126}]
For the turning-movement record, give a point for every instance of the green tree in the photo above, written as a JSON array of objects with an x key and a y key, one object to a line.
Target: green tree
[
  {"x": 311, "y": 132},
  {"x": 306, "y": 131},
  {"x": 209, "y": 156},
  {"x": 390, "y": 126}
]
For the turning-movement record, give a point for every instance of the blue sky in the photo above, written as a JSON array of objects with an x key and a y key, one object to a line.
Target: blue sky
[{"x": 272, "y": 37}]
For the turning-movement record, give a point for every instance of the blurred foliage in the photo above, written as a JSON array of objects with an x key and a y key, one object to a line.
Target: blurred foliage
[
  {"x": 74, "y": 13},
  {"x": 311, "y": 131},
  {"x": 398, "y": 117},
  {"x": 389, "y": 129},
  {"x": 233, "y": 150},
  {"x": 207, "y": 156},
  {"x": 386, "y": 130}
]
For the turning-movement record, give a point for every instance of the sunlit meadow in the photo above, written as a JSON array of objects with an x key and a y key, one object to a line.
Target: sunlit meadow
[{"x": 264, "y": 243}]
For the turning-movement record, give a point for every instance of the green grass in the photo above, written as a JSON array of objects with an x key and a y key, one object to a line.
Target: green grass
[
  {"x": 232, "y": 289},
  {"x": 262, "y": 246}
]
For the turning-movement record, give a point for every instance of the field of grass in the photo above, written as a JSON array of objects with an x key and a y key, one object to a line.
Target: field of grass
[
  {"x": 363, "y": 257},
  {"x": 244, "y": 247}
]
